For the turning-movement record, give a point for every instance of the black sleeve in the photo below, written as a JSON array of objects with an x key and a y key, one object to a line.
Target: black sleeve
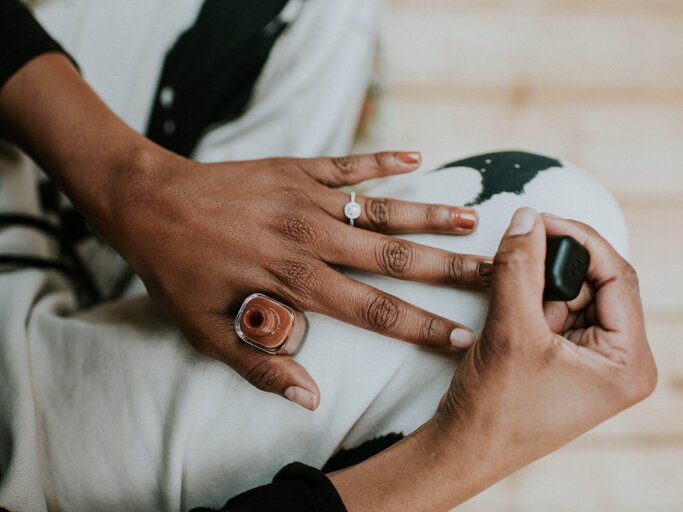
[
  {"x": 296, "y": 487},
  {"x": 21, "y": 38}
]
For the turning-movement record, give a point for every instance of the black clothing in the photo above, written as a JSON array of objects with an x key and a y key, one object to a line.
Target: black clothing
[
  {"x": 21, "y": 38},
  {"x": 301, "y": 488},
  {"x": 210, "y": 72},
  {"x": 296, "y": 487}
]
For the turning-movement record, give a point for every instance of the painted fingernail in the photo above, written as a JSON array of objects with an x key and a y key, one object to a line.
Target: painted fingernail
[
  {"x": 485, "y": 270},
  {"x": 465, "y": 219},
  {"x": 409, "y": 157},
  {"x": 462, "y": 339},
  {"x": 522, "y": 222},
  {"x": 302, "y": 396}
]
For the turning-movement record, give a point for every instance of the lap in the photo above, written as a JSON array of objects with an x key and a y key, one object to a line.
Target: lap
[{"x": 128, "y": 415}]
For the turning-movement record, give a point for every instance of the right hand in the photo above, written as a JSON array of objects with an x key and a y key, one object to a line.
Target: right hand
[{"x": 540, "y": 375}]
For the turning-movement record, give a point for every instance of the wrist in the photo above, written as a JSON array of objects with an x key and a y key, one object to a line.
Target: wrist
[
  {"x": 93, "y": 156},
  {"x": 136, "y": 178},
  {"x": 104, "y": 187},
  {"x": 474, "y": 455},
  {"x": 436, "y": 468}
]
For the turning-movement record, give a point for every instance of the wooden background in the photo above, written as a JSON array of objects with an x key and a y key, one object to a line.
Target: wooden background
[{"x": 598, "y": 82}]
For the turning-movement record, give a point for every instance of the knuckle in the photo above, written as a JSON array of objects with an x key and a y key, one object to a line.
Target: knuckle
[
  {"x": 455, "y": 267},
  {"x": 432, "y": 329},
  {"x": 380, "y": 159},
  {"x": 378, "y": 212},
  {"x": 296, "y": 229},
  {"x": 513, "y": 259},
  {"x": 295, "y": 275},
  {"x": 343, "y": 164},
  {"x": 394, "y": 257},
  {"x": 433, "y": 216},
  {"x": 263, "y": 376},
  {"x": 382, "y": 312}
]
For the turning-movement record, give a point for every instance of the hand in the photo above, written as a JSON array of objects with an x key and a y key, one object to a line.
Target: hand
[
  {"x": 539, "y": 376},
  {"x": 204, "y": 237},
  {"x": 542, "y": 374}
]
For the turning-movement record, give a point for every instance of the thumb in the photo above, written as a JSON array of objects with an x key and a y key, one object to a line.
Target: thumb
[
  {"x": 281, "y": 375},
  {"x": 278, "y": 374},
  {"x": 518, "y": 274}
]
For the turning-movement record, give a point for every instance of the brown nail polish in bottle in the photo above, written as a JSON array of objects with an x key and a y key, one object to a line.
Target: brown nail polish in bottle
[{"x": 269, "y": 325}]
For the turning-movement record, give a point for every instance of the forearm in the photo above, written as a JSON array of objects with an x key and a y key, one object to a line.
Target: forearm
[
  {"x": 50, "y": 112},
  {"x": 434, "y": 469}
]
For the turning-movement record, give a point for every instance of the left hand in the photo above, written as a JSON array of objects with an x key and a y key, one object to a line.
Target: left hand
[{"x": 204, "y": 236}]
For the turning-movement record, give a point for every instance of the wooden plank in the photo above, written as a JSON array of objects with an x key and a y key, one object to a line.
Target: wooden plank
[
  {"x": 659, "y": 7},
  {"x": 656, "y": 248},
  {"x": 625, "y": 480},
  {"x": 514, "y": 46},
  {"x": 633, "y": 147},
  {"x": 658, "y": 420}
]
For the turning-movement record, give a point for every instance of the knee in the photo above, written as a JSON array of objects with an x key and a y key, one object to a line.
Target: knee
[
  {"x": 505, "y": 171},
  {"x": 509, "y": 179}
]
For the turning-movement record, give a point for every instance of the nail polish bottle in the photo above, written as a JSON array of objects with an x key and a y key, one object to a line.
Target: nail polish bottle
[
  {"x": 270, "y": 325},
  {"x": 566, "y": 265}
]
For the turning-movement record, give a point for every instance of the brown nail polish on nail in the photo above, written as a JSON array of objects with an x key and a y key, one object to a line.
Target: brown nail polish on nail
[
  {"x": 465, "y": 219},
  {"x": 410, "y": 158},
  {"x": 485, "y": 270}
]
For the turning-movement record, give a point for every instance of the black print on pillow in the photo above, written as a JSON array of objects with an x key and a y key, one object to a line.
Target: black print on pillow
[{"x": 504, "y": 171}]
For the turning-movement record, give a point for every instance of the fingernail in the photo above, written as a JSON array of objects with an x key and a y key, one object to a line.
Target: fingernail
[
  {"x": 522, "y": 222},
  {"x": 410, "y": 157},
  {"x": 551, "y": 215},
  {"x": 465, "y": 219},
  {"x": 302, "y": 396},
  {"x": 462, "y": 339},
  {"x": 485, "y": 270}
]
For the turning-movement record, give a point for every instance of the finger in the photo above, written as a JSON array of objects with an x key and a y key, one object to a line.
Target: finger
[
  {"x": 518, "y": 270},
  {"x": 573, "y": 314},
  {"x": 277, "y": 374},
  {"x": 280, "y": 375},
  {"x": 319, "y": 288},
  {"x": 401, "y": 259},
  {"x": 614, "y": 279},
  {"x": 395, "y": 216},
  {"x": 349, "y": 170}
]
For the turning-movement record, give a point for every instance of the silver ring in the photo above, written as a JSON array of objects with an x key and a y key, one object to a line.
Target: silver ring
[{"x": 352, "y": 209}]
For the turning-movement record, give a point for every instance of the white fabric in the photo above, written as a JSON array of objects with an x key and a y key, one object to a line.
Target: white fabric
[{"x": 110, "y": 409}]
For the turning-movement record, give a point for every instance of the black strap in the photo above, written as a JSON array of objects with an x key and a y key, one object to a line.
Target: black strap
[{"x": 70, "y": 265}]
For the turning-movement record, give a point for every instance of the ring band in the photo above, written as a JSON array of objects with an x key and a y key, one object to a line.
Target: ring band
[{"x": 352, "y": 210}]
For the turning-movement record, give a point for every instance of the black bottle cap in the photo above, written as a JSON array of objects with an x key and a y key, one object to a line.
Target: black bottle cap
[{"x": 566, "y": 265}]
